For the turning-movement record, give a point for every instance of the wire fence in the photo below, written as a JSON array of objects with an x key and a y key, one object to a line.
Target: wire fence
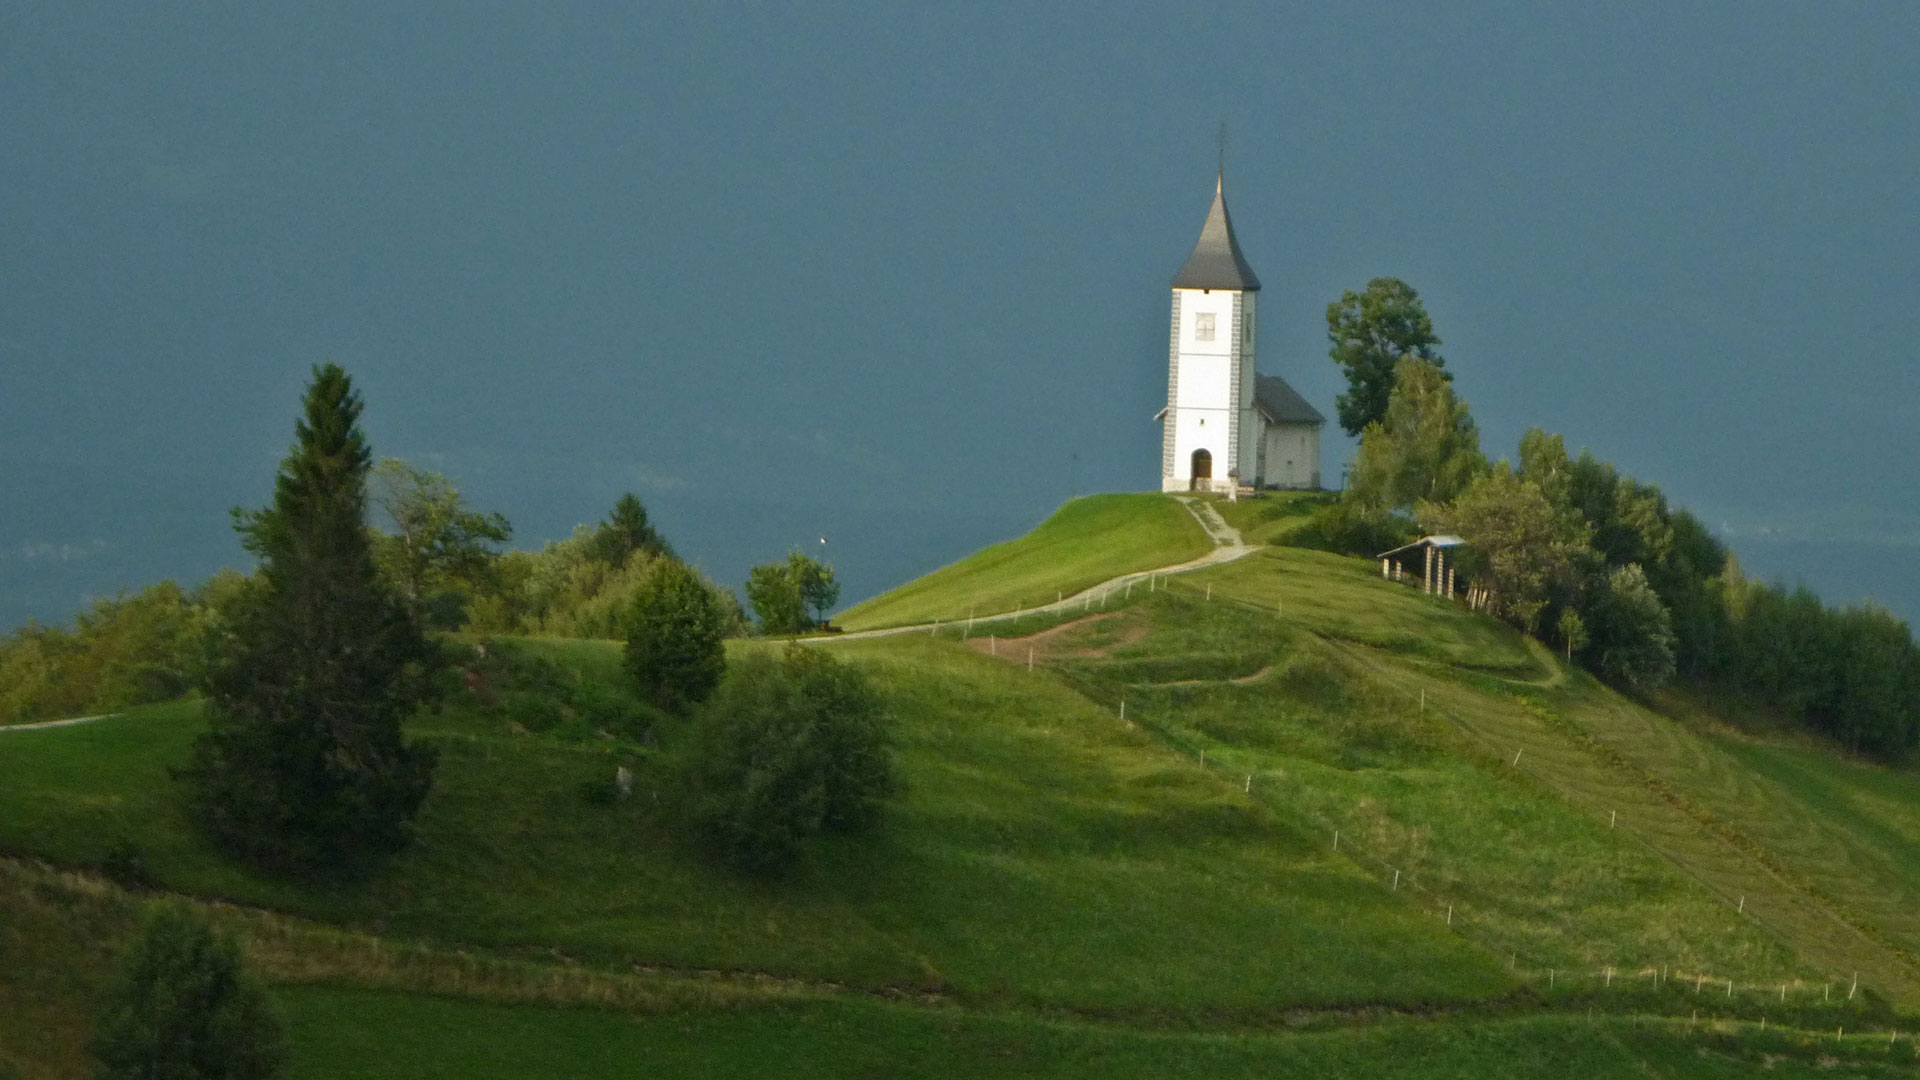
[{"x": 1731, "y": 1001}]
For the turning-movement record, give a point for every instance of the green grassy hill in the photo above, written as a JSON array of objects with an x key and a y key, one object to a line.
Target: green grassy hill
[
  {"x": 1089, "y": 540},
  {"x": 1278, "y": 818}
]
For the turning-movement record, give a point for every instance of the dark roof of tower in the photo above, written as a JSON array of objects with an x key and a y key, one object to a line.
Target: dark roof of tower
[
  {"x": 1282, "y": 404},
  {"x": 1216, "y": 262}
]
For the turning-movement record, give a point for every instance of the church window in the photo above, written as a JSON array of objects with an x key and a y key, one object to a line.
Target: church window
[{"x": 1203, "y": 326}]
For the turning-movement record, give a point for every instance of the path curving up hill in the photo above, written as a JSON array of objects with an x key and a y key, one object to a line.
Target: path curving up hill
[{"x": 1227, "y": 546}]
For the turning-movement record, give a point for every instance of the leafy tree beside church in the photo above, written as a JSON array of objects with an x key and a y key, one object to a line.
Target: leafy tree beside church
[{"x": 1371, "y": 332}]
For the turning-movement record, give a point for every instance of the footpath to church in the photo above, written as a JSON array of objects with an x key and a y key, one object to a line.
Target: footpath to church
[{"x": 1227, "y": 546}]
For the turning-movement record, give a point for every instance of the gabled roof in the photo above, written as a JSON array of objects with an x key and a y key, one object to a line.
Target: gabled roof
[
  {"x": 1423, "y": 542},
  {"x": 1281, "y": 404},
  {"x": 1216, "y": 262}
]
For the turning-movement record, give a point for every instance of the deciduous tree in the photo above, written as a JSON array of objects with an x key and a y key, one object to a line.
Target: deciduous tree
[
  {"x": 1371, "y": 332},
  {"x": 1426, "y": 449},
  {"x": 786, "y": 748},
  {"x": 1635, "y": 634},
  {"x": 781, "y": 593},
  {"x": 437, "y": 543},
  {"x": 184, "y": 1008},
  {"x": 676, "y": 635},
  {"x": 1521, "y": 545}
]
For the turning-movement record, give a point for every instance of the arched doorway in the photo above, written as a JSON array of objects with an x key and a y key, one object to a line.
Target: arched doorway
[{"x": 1202, "y": 471}]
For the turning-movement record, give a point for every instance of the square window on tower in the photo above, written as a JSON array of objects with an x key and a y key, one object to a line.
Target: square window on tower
[{"x": 1203, "y": 326}]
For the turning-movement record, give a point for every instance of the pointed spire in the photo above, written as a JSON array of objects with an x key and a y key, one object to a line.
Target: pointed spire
[{"x": 1216, "y": 262}]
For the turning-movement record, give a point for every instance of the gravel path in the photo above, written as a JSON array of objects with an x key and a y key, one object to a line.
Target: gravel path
[{"x": 54, "y": 723}]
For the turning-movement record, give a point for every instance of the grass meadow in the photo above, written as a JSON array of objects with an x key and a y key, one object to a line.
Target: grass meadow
[
  {"x": 1042, "y": 853},
  {"x": 1085, "y": 542},
  {"x": 350, "y": 1035},
  {"x": 1114, "y": 853}
]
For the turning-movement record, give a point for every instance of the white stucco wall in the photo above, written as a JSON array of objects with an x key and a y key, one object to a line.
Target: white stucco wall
[
  {"x": 1293, "y": 455},
  {"x": 1211, "y": 387}
]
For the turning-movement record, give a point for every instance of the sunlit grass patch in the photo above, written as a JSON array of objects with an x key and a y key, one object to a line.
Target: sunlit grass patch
[{"x": 1087, "y": 541}]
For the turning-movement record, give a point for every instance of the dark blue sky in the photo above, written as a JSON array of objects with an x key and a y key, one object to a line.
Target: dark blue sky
[{"x": 898, "y": 277}]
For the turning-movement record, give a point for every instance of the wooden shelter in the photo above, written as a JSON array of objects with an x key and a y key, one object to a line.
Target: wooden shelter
[{"x": 1430, "y": 559}]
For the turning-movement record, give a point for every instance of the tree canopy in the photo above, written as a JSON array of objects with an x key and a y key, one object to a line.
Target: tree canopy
[
  {"x": 437, "y": 546},
  {"x": 676, "y": 634},
  {"x": 782, "y": 593},
  {"x": 184, "y": 1008},
  {"x": 1371, "y": 333},
  {"x": 1424, "y": 449},
  {"x": 1523, "y": 547}
]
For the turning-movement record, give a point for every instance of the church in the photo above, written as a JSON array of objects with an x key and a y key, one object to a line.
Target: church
[{"x": 1227, "y": 428}]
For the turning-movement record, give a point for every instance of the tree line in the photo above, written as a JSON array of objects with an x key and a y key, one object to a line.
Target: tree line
[{"x": 1591, "y": 560}]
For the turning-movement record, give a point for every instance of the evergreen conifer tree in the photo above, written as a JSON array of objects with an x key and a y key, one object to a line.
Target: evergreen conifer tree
[{"x": 303, "y": 768}]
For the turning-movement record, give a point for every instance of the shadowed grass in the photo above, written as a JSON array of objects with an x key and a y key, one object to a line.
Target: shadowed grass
[
  {"x": 343, "y": 1035},
  {"x": 1041, "y": 853},
  {"x": 1085, "y": 542}
]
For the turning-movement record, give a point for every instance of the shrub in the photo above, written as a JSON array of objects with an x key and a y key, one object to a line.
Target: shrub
[
  {"x": 676, "y": 635},
  {"x": 785, "y": 748},
  {"x": 183, "y": 1008},
  {"x": 534, "y": 711},
  {"x": 1635, "y": 633}
]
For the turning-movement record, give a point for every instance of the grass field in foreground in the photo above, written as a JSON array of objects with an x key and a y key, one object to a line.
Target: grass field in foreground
[
  {"x": 1085, "y": 542},
  {"x": 465, "y": 1015},
  {"x": 1041, "y": 853},
  {"x": 361, "y": 1035}
]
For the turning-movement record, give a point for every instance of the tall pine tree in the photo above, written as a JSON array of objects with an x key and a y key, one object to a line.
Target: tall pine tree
[{"x": 303, "y": 768}]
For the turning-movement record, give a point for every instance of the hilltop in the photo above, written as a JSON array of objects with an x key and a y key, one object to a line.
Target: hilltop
[{"x": 1272, "y": 816}]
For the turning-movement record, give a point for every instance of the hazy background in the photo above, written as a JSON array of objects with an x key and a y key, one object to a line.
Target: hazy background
[{"x": 897, "y": 277}]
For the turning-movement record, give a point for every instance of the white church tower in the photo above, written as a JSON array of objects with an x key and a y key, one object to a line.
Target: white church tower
[{"x": 1224, "y": 424}]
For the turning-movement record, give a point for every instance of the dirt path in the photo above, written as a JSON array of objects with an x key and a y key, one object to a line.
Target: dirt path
[
  {"x": 1055, "y": 642},
  {"x": 40, "y": 725},
  {"x": 1227, "y": 546}
]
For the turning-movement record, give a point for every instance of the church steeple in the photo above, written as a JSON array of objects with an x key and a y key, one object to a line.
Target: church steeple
[{"x": 1216, "y": 262}]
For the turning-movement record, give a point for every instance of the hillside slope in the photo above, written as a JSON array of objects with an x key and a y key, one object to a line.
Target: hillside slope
[
  {"x": 1153, "y": 837},
  {"x": 1085, "y": 542}
]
